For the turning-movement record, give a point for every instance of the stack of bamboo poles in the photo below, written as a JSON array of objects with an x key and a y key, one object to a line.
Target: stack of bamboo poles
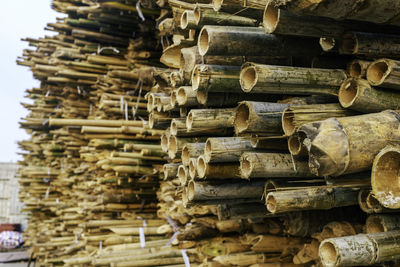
[
  {"x": 272, "y": 122},
  {"x": 277, "y": 120}
]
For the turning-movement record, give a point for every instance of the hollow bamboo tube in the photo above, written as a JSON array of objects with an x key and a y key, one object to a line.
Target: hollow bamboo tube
[
  {"x": 219, "y": 5},
  {"x": 216, "y": 78},
  {"x": 148, "y": 262},
  {"x": 317, "y": 198},
  {"x": 272, "y": 243},
  {"x": 186, "y": 96},
  {"x": 188, "y": 20},
  {"x": 217, "y": 171},
  {"x": 259, "y": 117},
  {"x": 170, "y": 170},
  {"x": 165, "y": 141},
  {"x": 267, "y": 143},
  {"x": 357, "y": 68},
  {"x": 260, "y": 165},
  {"x": 360, "y": 250},
  {"x": 384, "y": 73},
  {"x": 183, "y": 174},
  {"x": 370, "y": 44},
  {"x": 104, "y": 123},
  {"x": 382, "y": 223},
  {"x": 191, "y": 150},
  {"x": 338, "y": 146},
  {"x": 193, "y": 168},
  {"x": 384, "y": 177},
  {"x": 199, "y": 191},
  {"x": 358, "y": 95},
  {"x": 230, "y": 100},
  {"x": 209, "y": 119},
  {"x": 269, "y": 79},
  {"x": 175, "y": 144},
  {"x": 226, "y": 149},
  {"x": 251, "y": 41},
  {"x": 178, "y": 127},
  {"x": 295, "y": 116}
]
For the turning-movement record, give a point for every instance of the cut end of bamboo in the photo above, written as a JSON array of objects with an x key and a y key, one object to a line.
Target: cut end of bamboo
[
  {"x": 355, "y": 69},
  {"x": 327, "y": 43},
  {"x": 242, "y": 115},
  {"x": 173, "y": 99},
  {"x": 185, "y": 155},
  {"x": 190, "y": 191},
  {"x": 201, "y": 167},
  {"x": 217, "y": 4},
  {"x": 374, "y": 225},
  {"x": 208, "y": 150},
  {"x": 181, "y": 96},
  {"x": 246, "y": 167},
  {"x": 202, "y": 97},
  {"x": 189, "y": 121},
  {"x": 248, "y": 78},
  {"x": 184, "y": 20},
  {"x": 197, "y": 14},
  {"x": 377, "y": 72},
  {"x": 151, "y": 120},
  {"x": 174, "y": 128},
  {"x": 203, "y": 42},
  {"x": 172, "y": 146},
  {"x": 271, "y": 203},
  {"x": 271, "y": 17},
  {"x": 349, "y": 44},
  {"x": 164, "y": 143},
  {"x": 348, "y": 92},
  {"x": 192, "y": 168},
  {"x": 287, "y": 122},
  {"x": 182, "y": 175},
  {"x": 328, "y": 254},
  {"x": 196, "y": 78},
  {"x": 385, "y": 178},
  {"x": 295, "y": 145}
]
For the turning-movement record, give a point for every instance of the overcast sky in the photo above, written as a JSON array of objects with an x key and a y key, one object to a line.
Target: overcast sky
[{"x": 19, "y": 18}]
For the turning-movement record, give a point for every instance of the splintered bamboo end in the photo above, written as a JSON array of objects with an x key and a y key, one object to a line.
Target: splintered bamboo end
[
  {"x": 184, "y": 20},
  {"x": 374, "y": 225},
  {"x": 164, "y": 143},
  {"x": 349, "y": 44},
  {"x": 182, "y": 175},
  {"x": 192, "y": 167},
  {"x": 196, "y": 77},
  {"x": 185, "y": 155},
  {"x": 385, "y": 177},
  {"x": 202, "y": 96},
  {"x": 327, "y": 43},
  {"x": 190, "y": 191},
  {"x": 328, "y": 254},
  {"x": 242, "y": 115},
  {"x": 181, "y": 96},
  {"x": 271, "y": 17},
  {"x": 377, "y": 72},
  {"x": 201, "y": 167},
  {"x": 248, "y": 78},
  {"x": 271, "y": 203},
  {"x": 246, "y": 167},
  {"x": 203, "y": 42},
  {"x": 348, "y": 92},
  {"x": 287, "y": 122}
]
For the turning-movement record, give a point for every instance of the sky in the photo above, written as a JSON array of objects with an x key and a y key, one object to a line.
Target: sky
[{"x": 19, "y": 19}]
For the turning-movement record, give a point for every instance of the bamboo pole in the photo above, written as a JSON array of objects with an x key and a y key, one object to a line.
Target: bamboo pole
[
  {"x": 210, "y": 119},
  {"x": 105, "y": 123},
  {"x": 357, "y": 68},
  {"x": 217, "y": 171},
  {"x": 192, "y": 150},
  {"x": 226, "y": 149},
  {"x": 385, "y": 73},
  {"x": 382, "y": 223}
]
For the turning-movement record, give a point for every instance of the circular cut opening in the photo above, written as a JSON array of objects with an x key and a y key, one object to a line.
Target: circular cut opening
[
  {"x": 287, "y": 122},
  {"x": 173, "y": 99},
  {"x": 207, "y": 151},
  {"x": 248, "y": 78},
  {"x": 181, "y": 96},
  {"x": 190, "y": 191},
  {"x": 203, "y": 42},
  {"x": 150, "y": 103},
  {"x": 362, "y": 201},
  {"x": 182, "y": 175},
  {"x": 349, "y": 44},
  {"x": 355, "y": 69},
  {"x": 197, "y": 14},
  {"x": 217, "y": 4},
  {"x": 185, "y": 155},
  {"x": 242, "y": 118},
  {"x": 385, "y": 178},
  {"x": 196, "y": 78},
  {"x": 327, "y": 43},
  {"x": 184, "y": 20},
  {"x": 271, "y": 18},
  {"x": 202, "y": 97},
  {"x": 348, "y": 92},
  {"x": 189, "y": 121},
  {"x": 328, "y": 254},
  {"x": 374, "y": 225},
  {"x": 164, "y": 143},
  {"x": 174, "y": 128},
  {"x": 372, "y": 202},
  {"x": 377, "y": 72},
  {"x": 294, "y": 145},
  {"x": 173, "y": 146},
  {"x": 271, "y": 203},
  {"x": 245, "y": 167},
  {"x": 201, "y": 167},
  {"x": 192, "y": 168}
]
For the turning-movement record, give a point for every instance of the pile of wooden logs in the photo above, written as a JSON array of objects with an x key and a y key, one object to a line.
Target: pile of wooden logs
[{"x": 215, "y": 133}]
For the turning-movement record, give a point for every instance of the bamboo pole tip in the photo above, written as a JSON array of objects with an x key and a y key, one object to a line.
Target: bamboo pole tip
[
  {"x": 197, "y": 14},
  {"x": 202, "y": 97},
  {"x": 348, "y": 92},
  {"x": 174, "y": 128},
  {"x": 182, "y": 175},
  {"x": 196, "y": 77},
  {"x": 378, "y": 71},
  {"x": 181, "y": 96},
  {"x": 217, "y": 4},
  {"x": 385, "y": 178},
  {"x": 271, "y": 203},
  {"x": 362, "y": 201},
  {"x": 271, "y": 17},
  {"x": 192, "y": 168},
  {"x": 190, "y": 191},
  {"x": 208, "y": 150},
  {"x": 184, "y": 21},
  {"x": 172, "y": 146},
  {"x": 374, "y": 225},
  {"x": 164, "y": 142},
  {"x": 246, "y": 166},
  {"x": 203, "y": 41},
  {"x": 328, "y": 253},
  {"x": 248, "y": 78},
  {"x": 201, "y": 166},
  {"x": 185, "y": 155},
  {"x": 173, "y": 99},
  {"x": 349, "y": 44},
  {"x": 327, "y": 43},
  {"x": 189, "y": 120},
  {"x": 242, "y": 115},
  {"x": 355, "y": 69},
  {"x": 295, "y": 145},
  {"x": 288, "y": 125}
]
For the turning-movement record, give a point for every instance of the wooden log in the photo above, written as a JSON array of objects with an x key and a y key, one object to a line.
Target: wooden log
[
  {"x": 384, "y": 178},
  {"x": 295, "y": 116},
  {"x": 357, "y": 68},
  {"x": 191, "y": 150},
  {"x": 226, "y": 149},
  {"x": 263, "y": 118},
  {"x": 199, "y": 191},
  {"x": 257, "y": 78},
  {"x": 370, "y": 45},
  {"x": 317, "y": 198},
  {"x": 357, "y": 148},
  {"x": 358, "y": 95},
  {"x": 251, "y": 41},
  {"x": 385, "y": 73},
  {"x": 260, "y": 165},
  {"x": 362, "y": 249},
  {"x": 382, "y": 223},
  {"x": 217, "y": 171}
]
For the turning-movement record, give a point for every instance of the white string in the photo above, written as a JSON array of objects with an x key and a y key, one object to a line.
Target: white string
[{"x": 139, "y": 11}]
